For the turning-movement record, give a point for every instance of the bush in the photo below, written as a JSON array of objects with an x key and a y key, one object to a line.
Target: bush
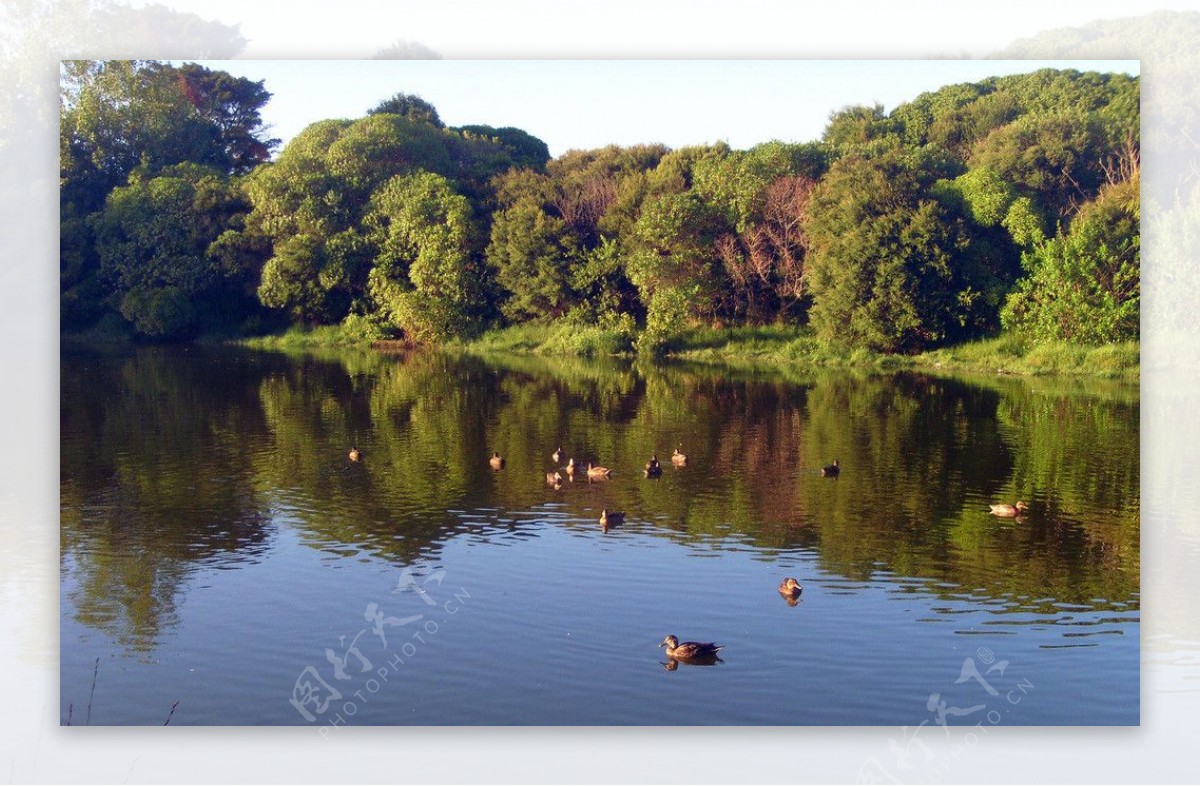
[{"x": 1084, "y": 286}]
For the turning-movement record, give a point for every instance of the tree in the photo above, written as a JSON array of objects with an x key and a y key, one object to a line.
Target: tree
[
  {"x": 532, "y": 252},
  {"x": 763, "y": 193},
  {"x": 118, "y": 116},
  {"x": 312, "y": 204},
  {"x": 1055, "y": 159},
  {"x": 154, "y": 239},
  {"x": 1084, "y": 284},
  {"x": 523, "y": 149},
  {"x": 885, "y": 259},
  {"x": 410, "y": 107},
  {"x": 425, "y": 280},
  {"x": 232, "y": 104},
  {"x": 675, "y": 266}
]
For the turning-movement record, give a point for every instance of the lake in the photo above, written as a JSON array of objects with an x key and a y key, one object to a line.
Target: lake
[{"x": 224, "y": 562}]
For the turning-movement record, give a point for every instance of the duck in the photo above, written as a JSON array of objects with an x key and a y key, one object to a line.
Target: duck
[
  {"x": 790, "y": 588},
  {"x": 355, "y": 454},
  {"x": 571, "y": 468},
  {"x": 1009, "y": 511},
  {"x": 610, "y": 519},
  {"x": 496, "y": 461},
  {"x": 678, "y": 459},
  {"x": 690, "y": 650},
  {"x": 831, "y": 470},
  {"x": 554, "y": 479},
  {"x": 598, "y": 473},
  {"x": 653, "y": 468},
  {"x": 557, "y": 456}
]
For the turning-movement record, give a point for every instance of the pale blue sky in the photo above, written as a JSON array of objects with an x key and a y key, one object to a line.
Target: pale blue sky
[{"x": 591, "y": 103}]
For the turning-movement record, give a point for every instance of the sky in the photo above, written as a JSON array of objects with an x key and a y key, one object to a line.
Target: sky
[{"x": 582, "y": 104}]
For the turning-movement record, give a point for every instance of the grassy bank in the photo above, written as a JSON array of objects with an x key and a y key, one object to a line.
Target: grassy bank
[
  {"x": 790, "y": 346},
  {"x": 757, "y": 347},
  {"x": 321, "y": 337},
  {"x": 773, "y": 346},
  {"x": 1008, "y": 355},
  {"x": 560, "y": 339}
]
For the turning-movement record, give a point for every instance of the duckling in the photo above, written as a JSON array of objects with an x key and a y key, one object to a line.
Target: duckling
[
  {"x": 557, "y": 456},
  {"x": 355, "y": 454},
  {"x": 678, "y": 459},
  {"x": 612, "y": 519},
  {"x": 690, "y": 650},
  {"x": 1009, "y": 511},
  {"x": 554, "y": 479},
  {"x": 790, "y": 588},
  {"x": 653, "y": 468},
  {"x": 496, "y": 461},
  {"x": 598, "y": 473},
  {"x": 832, "y": 470}
]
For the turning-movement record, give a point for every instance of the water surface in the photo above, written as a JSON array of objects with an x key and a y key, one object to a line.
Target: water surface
[{"x": 222, "y": 556}]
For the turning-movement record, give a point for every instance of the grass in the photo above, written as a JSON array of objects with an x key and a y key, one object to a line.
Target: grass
[
  {"x": 1009, "y": 355},
  {"x": 773, "y": 346},
  {"x": 757, "y": 347},
  {"x": 559, "y": 339},
  {"x": 299, "y": 337}
]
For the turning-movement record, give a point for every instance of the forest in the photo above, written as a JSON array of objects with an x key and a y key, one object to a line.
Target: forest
[{"x": 1007, "y": 207}]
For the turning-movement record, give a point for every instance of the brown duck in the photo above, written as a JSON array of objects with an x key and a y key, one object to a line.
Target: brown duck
[
  {"x": 496, "y": 461},
  {"x": 598, "y": 473},
  {"x": 554, "y": 479},
  {"x": 790, "y": 588},
  {"x": 610, "y": 519},
  {"x": 678, "y": 459},
  {"x": 1009, "y": 511},
  {"x": 557, "y": 456},
  {"x": 355, "y": 454},
  {"x": 690, "y": 650}
]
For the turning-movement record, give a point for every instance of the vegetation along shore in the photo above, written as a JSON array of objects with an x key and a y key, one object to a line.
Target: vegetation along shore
[{"x": 982, "y": 226}]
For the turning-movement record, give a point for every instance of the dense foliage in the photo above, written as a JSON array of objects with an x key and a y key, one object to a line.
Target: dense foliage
[{"x": 1009, "y": 204}]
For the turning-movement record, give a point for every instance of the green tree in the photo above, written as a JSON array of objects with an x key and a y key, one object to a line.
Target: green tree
[
  {"x": 522, "y": 148},
  {"x": 411, "y": 107},
  {"x": 532, "y": 252},
  {"x": 675, "y": 265},
  {"x": 426, "y": 279},
  {"x": 311, "y": 207},
  {"x": 154, "y": 239},
  {"x": 1053, "y": 158},
  {"x": 885, "y": 259},
  {"x": 120, "y": 115},
  {"x": 1084, "y": 284}
]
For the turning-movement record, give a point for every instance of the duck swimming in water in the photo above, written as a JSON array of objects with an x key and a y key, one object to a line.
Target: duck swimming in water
[
  {"x": 496, "y": 462},
  {"x": 610, "y": 519},
  {"x": 790, "y": 588},
  {"x": 832, "y": 470},
  {"x": 1009, "y": 511},
  {"x": 598, "y": 473},
  {"x": 690, "y": 650},
  {"x": 557, "y": 456},
  {"x": 678, "y": 459},
  {"x": 355, "y": 454},
  {"x": 653, "y": 468}
]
